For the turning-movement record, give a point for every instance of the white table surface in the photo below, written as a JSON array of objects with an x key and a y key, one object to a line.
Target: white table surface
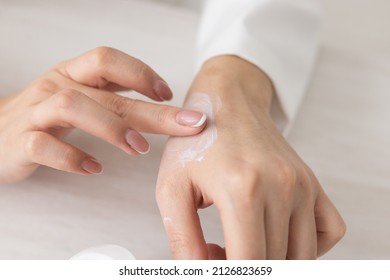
[{"x": 342, "y": 130}]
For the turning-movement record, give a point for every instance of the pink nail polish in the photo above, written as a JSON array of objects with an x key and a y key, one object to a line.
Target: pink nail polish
[
  {"x": 137, "y": 142},
  {"x": 92, "y": 166},
  {"x": 162, "y": 89},
  {"x": 191, "y": 118}
]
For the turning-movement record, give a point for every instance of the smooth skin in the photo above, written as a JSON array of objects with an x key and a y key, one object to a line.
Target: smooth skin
[
  {"x": 80, "y": 93},
  {"x": 271, "y": 204}
]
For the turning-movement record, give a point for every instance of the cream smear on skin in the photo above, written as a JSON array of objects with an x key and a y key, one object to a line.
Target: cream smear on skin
[{"x": 194, "y": 148}]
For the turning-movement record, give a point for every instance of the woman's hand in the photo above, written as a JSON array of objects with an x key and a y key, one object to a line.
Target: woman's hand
[
  {"x": 78, "y": 93},
  {"x": 270, "y": 202}
]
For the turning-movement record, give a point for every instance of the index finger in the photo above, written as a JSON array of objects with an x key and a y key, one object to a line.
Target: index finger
[
  {"x": 106, "y": 67},
  {"x": 181, "y": 221}
]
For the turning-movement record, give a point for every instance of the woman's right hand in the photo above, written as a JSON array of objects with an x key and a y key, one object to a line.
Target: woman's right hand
[{"x": 79, "y": 93}]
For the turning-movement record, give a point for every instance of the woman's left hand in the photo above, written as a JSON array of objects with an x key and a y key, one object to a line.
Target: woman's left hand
[{"x": 270, "y": 202}]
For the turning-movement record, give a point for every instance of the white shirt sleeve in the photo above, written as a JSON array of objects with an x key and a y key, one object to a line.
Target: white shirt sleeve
[{"x": 281, "y": 37}]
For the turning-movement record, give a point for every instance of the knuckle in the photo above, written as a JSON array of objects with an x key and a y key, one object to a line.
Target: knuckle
[
  {"x": 162, "y": 115},
  {"x": 286, "y": 174},
  {"x": 140, "y": 69},
  {"x": 44, "y": 84},
  {"x": 33, "y": 145},
  {"x": 66, "y": 99},
  {"x": 122, "y": 106},
  {"x": 243, "y": 186},
  {"x": 285, "y": 177},
  {"x": 294, "y": 180},
  {"x": 101, "y": 56},
  {"x": 66, "y": 159},
  {"x": 306, "y": 183}
]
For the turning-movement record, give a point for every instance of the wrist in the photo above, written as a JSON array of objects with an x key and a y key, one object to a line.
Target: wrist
[{"x": 228, "y": 74}]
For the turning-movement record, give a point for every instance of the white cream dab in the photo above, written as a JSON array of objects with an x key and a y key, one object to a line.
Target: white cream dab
[{"x": 194, "y": 148}]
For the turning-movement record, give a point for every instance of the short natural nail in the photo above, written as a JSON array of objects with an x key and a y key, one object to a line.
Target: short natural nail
[
  {"x": 191, "y": 118},
  {"x": 137, "y": 142},
  {"x": 92, "y": 166},
  {"x": 162, "y": 89}
]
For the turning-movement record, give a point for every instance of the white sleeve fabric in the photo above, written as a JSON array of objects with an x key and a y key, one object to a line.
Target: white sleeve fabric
[{"x": 281, "y": 37}]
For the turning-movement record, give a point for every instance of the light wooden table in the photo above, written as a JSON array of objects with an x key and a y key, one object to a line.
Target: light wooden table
[{"x": 342, "y": 130}]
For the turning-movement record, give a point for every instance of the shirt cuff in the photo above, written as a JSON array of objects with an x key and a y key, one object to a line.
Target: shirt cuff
[{"x": 280, "y": 37}]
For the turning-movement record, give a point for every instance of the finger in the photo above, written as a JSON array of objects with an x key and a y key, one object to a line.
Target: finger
[
  {"x": 242, "y": 219},
  {"x": 181, "y": 221},
  {"x": 330, "y": 225},
  {"x": 70, "y": 108},
  {"x": 154, "y": 118},
  {"x": 277, "y": 219},
  {"x": 244, "y": 235},
  {"x": 44, "y": 149},
  {"x": 106, "y": 68},
  {"x": 302, "y": 243},
  {"x": 144, "y": 116}
]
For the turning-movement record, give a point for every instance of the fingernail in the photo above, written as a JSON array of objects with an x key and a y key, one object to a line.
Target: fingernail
[
  {"x": 137, "y": 142},
  {"x": 191, "y": 118},
  {"x": 162, "y": 89},
  {"x": 92, "y": 166}
]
